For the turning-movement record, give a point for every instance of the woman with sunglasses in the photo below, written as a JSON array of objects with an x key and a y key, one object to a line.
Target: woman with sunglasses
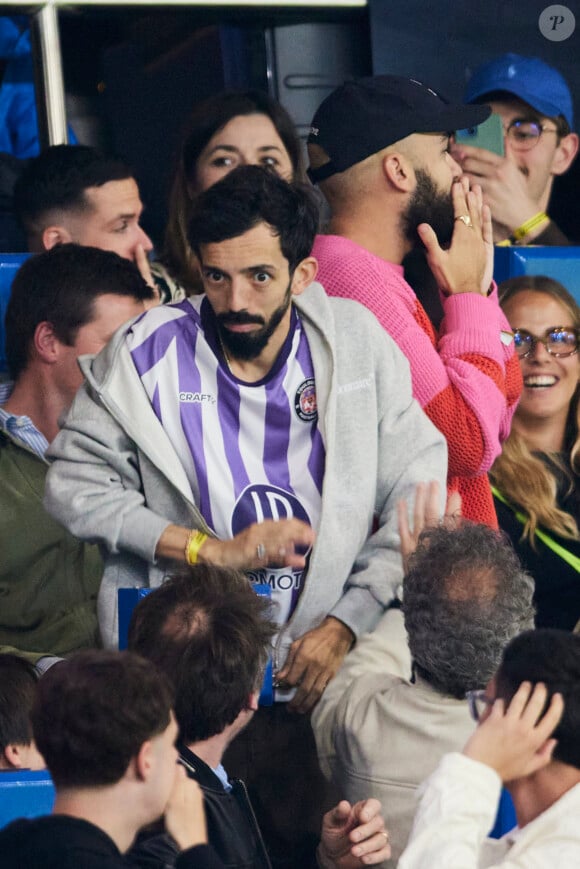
[{"x": 536, "y": 483}]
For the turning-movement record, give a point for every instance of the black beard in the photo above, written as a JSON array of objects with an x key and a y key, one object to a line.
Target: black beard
[
  {"x": 428, "y": 204},
  {"x": 249, "y": 345}
]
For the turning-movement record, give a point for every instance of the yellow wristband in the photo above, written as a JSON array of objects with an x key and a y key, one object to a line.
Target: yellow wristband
[
  {"x": 194, "y": 543},
  {"x": 531, "y": 224}
]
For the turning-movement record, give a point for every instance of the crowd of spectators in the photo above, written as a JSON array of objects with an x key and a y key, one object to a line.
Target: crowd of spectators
[{"x": 302, "y": 444}]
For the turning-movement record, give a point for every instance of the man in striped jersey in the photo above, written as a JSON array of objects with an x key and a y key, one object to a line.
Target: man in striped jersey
[{"x": 262, "y": 427}]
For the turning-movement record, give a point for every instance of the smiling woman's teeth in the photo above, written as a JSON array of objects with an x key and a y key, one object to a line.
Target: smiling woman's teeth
[{"x": 540, "y": 380}]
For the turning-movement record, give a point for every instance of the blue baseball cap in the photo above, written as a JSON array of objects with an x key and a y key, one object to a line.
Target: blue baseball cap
[{"x": 528, "y": 78}]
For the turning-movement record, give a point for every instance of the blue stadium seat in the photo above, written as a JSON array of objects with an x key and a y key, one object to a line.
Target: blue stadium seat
[
  {"x": 9, "y": 265},
  {"x": 25, "y": 794},
  {"x": 560, "y": 263},
  {"x": 128, "y": 599},
  {"x": 506, "y": 816}
]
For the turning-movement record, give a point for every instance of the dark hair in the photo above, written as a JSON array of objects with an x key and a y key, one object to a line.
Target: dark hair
[
  {"x": 17, "y": 689},
  {"x": 207, "y": 119},
  {"x": 248, "y": 196},
  {"x": 60, "y": 286},
  {"x": 540, "y": 284},
  {"x": 465, "y": 596},
  {"x": 553, "y": 657},
  {"x": 58, "y": 179},
  {"x": 93, "y": 712},
  {"x": 210, "y": 634}
]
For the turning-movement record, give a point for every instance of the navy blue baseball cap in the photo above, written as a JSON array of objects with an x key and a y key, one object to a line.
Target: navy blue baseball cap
[
  {"x": 528, "y": 78},
  {"x": 363, "y": 116}
]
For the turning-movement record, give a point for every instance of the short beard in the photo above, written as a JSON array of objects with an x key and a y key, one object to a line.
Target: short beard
[
  {"x": 249, "y": 345},
  {"x": 428, "y": 204}
]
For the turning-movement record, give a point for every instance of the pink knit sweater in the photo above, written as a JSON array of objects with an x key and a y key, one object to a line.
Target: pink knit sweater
[{"x": 466, "y": 379}]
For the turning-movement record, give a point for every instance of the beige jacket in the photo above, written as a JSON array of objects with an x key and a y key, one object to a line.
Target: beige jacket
[{"x": 380, "y": 735}]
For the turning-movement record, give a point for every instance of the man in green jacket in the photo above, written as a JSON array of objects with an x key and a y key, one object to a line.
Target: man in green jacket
[{"x": 64, "y": 303}]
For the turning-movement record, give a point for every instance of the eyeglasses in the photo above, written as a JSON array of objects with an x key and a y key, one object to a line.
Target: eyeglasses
[
  {"x": 478, "y": 702},
  {"x": 558, "y": 341},
  {"x": 525, "y": 135}
]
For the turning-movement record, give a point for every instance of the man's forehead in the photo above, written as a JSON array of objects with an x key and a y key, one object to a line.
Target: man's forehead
[
  {"x": 513, "y": 107},
  {"x": 433, "y": 138},
  {"x": 121, "y": 196},
  {"x": 257, "y": 246}
]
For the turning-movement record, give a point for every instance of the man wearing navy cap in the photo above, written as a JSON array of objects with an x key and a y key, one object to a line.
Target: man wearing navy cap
[
  {"x": 379, "y": 149},
  {"x": 535, "y": 105}
]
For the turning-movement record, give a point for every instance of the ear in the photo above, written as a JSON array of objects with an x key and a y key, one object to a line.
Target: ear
[
  {"x": 142, "y": 763},
  {"x": 13, "y": 755},
  {"x": 54, "y": 235},
  {"x": 565, "y": 154},
  {"x": 398, "y": 171},
  {"x": 45, "y": 343},
  {"x": 304, "y": 274}
]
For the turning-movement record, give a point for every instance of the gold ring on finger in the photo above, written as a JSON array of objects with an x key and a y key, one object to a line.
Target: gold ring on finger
[
  {"x": 261, "y": 551},
  {"x": 466, "y": 219}
]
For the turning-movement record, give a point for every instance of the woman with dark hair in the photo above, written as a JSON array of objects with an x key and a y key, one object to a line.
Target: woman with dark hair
[
  {"x": 227, "y": 130},
  {"x": 535, "y": 479}
]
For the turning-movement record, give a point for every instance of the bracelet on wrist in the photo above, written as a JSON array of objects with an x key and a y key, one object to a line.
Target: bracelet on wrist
[
  {"x": 193, "y": 544},
  {"x": 519, "y": 234},
  {"x": 522, "y": 231}
]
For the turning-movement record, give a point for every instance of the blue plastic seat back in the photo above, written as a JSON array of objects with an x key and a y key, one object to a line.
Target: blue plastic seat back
[
  {"x": 506, "y": 816},
  {"x": 25, "y": 794},
  {"x": 560, "y": 263},
  {"x": 9, "y": 265}
]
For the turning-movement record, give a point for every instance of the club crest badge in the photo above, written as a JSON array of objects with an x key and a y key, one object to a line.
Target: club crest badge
[{"x": 305, "y": 401}]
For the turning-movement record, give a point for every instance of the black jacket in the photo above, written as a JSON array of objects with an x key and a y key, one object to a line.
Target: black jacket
[
  {"x": 62, "y": 842},
  {"x": 232, "y": 829}
]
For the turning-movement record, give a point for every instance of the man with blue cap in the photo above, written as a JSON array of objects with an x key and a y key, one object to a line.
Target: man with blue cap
[{"x": 535, "y": 106}]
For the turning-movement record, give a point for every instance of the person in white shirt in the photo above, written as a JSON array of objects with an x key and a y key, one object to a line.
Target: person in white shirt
[{"x": 527, "y": 739}]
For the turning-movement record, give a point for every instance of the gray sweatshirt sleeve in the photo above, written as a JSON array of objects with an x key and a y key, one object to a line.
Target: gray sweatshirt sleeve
[
  {"x": 410, "y": 450},
  {"x": 93, "y": 486}
]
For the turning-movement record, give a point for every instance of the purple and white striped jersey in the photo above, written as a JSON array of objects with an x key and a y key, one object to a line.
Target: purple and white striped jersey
[{"x": 251, "y": 451}]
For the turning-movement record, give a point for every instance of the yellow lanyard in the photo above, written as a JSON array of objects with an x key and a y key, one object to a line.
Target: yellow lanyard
[{"x": 564, "y": 554}]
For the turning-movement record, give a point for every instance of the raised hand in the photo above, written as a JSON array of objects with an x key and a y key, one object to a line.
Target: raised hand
[
  {"x": 515, "y": 742},
  {"x": 353, "y": 836},
  {"x": 467, "y": 265},
  {"x": 426, "y": 514}
]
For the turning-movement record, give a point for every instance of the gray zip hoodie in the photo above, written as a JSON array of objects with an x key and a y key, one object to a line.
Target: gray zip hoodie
[{"x": 117, "y": 480}]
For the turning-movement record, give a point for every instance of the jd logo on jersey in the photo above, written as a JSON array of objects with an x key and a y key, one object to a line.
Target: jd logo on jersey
[{"x": 259, "y": 502}]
